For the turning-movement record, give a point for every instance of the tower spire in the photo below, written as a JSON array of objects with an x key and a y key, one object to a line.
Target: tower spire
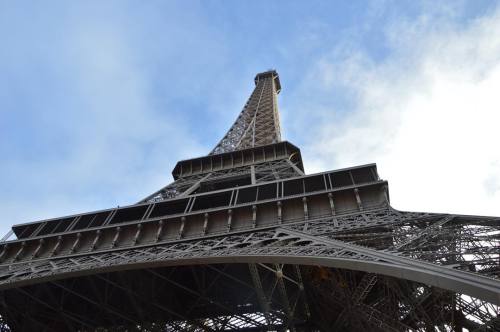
[
  {"x": 258, "y": 123},
  {"x": 256, "y": 127}
]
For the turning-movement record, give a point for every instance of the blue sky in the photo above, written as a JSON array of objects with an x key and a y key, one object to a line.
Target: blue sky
[{"x": 99, "y": 99}]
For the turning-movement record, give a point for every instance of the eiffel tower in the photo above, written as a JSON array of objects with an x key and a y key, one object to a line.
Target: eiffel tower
[{"x": 244, "y": 240}]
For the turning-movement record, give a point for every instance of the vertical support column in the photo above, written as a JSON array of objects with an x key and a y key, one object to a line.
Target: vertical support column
[
  {"x": 254, "y": 216},
  {"x": 117, "y": 236},
  {"x": 137, "y": 233},
  {"x": 252, "y": 174},
  {"x": 205, "y": 223},
  {"x": 332, "y": 208},
  {"x": 385, "y": 191},
  {"x": 181, "y": 229},
  {"x": 96, "y": 239},
  {"x": 37, "y": 250},
  {"x": 56, "y": 247},
  {"x": 158, "y": 232},
  {"x": 278, "y": 204},
  {"x": 306, "y": 213},
  {"x": 20, "y": 251},
  {"x": 284, "y": 295},
  {"x": 77, "y": 241},
  {"x": 358, "y": 199},
  {"x": 229, "y": 219}
]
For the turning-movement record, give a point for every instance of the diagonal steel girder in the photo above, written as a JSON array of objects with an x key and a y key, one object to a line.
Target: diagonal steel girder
[
  {"x": 134, "y": 295},
  {"x": 261, "y": 296},
  {"x": 192, "y": 291},
  {"x": 412, "y": 269},
  {"x": 340, "y": 254}
]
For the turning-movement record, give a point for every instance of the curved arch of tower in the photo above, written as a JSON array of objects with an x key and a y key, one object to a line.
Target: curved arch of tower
[{"x": 244, "y": 240}]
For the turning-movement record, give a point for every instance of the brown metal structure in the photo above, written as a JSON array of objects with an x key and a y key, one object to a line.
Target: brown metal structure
[{"x": 243, "y": 240}]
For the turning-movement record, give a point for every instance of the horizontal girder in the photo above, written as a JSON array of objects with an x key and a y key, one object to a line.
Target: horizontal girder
[
  {"x": 302, "y": 243},
  {"x": 200, "y": 214}
]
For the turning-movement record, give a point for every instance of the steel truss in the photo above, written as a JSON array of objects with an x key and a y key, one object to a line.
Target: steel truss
[
  {"x": 262, "y": 172},
  {"x": 258, "y": 122},
  {"x": 243, "y": 240},
  {"x": 360, "y": 261}
]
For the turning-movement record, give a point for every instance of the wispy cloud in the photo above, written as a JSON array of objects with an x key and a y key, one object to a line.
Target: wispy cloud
[
  {"x": 99, "y": 100},
  {"x": 427, "y": 114},
  {"x": 83, "y": 125}
]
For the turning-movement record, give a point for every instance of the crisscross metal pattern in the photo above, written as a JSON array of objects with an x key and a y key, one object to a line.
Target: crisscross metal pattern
[
  {"x": 243, "y": 240},
  {"x": 258, "y": 123}
]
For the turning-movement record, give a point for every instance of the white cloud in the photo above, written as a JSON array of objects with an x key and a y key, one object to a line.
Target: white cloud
[{"x": 428, "y": 114}]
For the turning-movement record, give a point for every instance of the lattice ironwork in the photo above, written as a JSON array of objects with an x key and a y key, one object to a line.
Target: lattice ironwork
[
  {"x": 243, "y": 240},
  {"x": 258, "y": 123},
  {"x": 262, "y": 172}
]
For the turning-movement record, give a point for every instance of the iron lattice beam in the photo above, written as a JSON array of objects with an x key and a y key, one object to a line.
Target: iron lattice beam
[
  {"x": 243, "y": 240},
  {"x": 258, "y": 123}
]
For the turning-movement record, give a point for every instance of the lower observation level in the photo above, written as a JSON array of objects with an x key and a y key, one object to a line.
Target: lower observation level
[{"x": 303, "y": 253}]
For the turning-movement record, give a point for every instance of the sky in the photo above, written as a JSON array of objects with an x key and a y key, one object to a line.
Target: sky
[{"x": 100, "y": 99}]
